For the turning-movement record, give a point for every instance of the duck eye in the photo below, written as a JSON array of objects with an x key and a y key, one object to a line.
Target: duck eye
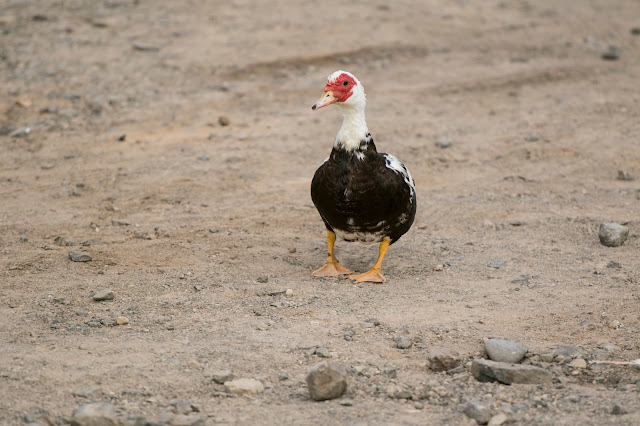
[{"x": 344, "y": 83}]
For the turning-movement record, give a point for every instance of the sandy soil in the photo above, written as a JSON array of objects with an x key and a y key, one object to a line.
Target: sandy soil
[{"x": 184, "y": 218}]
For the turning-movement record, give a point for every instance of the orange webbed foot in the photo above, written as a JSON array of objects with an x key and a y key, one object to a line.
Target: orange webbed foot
[
  {"x": 331, "y": 269},
  {"x": 372, "y": 276}
]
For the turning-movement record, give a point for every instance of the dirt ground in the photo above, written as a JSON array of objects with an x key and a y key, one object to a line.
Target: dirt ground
[{"x": 185, "y": 219}]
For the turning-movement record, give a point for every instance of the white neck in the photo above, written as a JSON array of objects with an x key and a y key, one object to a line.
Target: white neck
[{"x": 354, "y": 127}]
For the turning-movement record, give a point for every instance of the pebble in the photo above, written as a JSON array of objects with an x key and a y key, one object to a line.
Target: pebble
[
  {"x": 203, "y": 158},
  {"x": 568, "y": 352},
  {"x": 20, "y": 133},
  {"x": 322, "y": 352},
  {"x": 490, "y": 371},
  {"x": 348, "y": 335},
  {"x": 624, "y": 175},
  {"x": 93, "y": 393},
  {"x": 122, "y": 320},
  {"x": 326, "y": 381},
  {"x": 635, "y": 31},
  {"x": 223, "y": 120},
  {"x": 244, "y": 387},
  {"x": 609, "y": 347},
  {"x": 95, "y": 414},
  {"x": 390, "y": 372},
  {"x": 308, "y": 344},
  {"x": 614, "y": 264},
  {"x": 403, "y": 342},
  {"x": 613, "y": 234},
  {"x": 618, "y": 410},
  {"x": 443, "y": 143},
  {"x": 478, "y": 412},
  {"x": 222, "y": 376},
  {"x": 504, "y": 350},
  {"x": 102, "y": 295},
  {"x": 418, "y": 405},
  {"x": 346, "y": 402},
  {"x": 578, "y": 363},
  {"x": 498, "y": 419},
  {"x": 145, "y": 47},
  {"x": 611, "y": 54},
  {"x": 496, "y": 265},
  {"x": 263, "y": 279},
  {"x": 443, "y": 359},
  {"x": 80, "y": 256}
]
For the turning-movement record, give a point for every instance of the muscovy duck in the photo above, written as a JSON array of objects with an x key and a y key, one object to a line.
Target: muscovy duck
[{"x": 361, "y": 195}]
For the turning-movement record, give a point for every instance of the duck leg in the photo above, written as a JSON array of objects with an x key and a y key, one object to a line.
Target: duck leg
[
  {"x": 332, "y": 268},
  {"x": 374, "y": 275}
]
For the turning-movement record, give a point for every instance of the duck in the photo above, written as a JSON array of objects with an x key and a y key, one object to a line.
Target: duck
[{"x": 361, "y": 195}]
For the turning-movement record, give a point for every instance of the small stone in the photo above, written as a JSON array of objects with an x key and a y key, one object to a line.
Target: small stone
[
  {"x": 80, "y": 256},
  {"x": 498, "y": 419},
  {"x": 70, "y": 242},
  {"x": 478, "y": 412},
  {"x": 504, "y": 350},
  {"x": 348, "y": 335},
  {"x": 568, "y": 352},
  {"x": 308, "y": 344},
  {"x": 93, "y": 393},
  {"x": 283, "y": 376},
  {"x": 443, "y": 143},
  {"x": 289, "y": 292},
  {"x": 244, "y": 387},
  {"x": 403, "y": 342},
  {"x": 203, "y": 158},
  {"x": 263, "y": 279},
  {"x": 611, "y": 54},
  {"x": 20, "y": 133},
  {"x": 122, "y": 138},
  {"x": 635, "y": 31},
  {"x": 578, "y": 363},
  {"x": 145, "y": 47},
  {"x": 496, "y": 265},
  {"x": 618, "y": 410},
  {"x": 326, "y": 381},
  {"x": 438, "y": 268},
  {"x": 399, "y": 391},
  {"x": 59, "y": 241},
  {"x": 613, "y": 264},
  {"x": 122, "y": 320},
  {"x": 418, "y": 405},
  {"x": 443, "y": 359},
  {"x": 38, "y": 417},
  {"x": 322, "y": 352},
  {"x": 546, "y": 357},
  {"x": 390, "y": 372},
  {"x": 609, "y": 347},
  {"x": 490, "y": 371},
  {"x": 346, "y": 402},
  {"x": 223, "y": 120},
  {"x": 222, "y": 376},
  {"x": 613, "y": 234},
  {"x": 102, "y": 295},
  {"x": 614, "y": 324},
  {"x": 95, "y": 414},
  {"x": 624, "y": 175}
]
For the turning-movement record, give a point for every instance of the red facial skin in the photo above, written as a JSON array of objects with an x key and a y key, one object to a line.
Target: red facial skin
[{"x": 340, "y": 91}]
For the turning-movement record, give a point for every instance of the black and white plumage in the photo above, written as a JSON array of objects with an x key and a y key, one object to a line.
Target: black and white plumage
[{"x": 361, "y": 195}]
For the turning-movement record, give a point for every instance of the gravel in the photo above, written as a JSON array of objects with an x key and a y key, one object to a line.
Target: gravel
[
  {"x": 326, "y": 381},
  {"x": 504, "y": 350},
  {"x": 222, "y": 376},
  {"x": 403, "y": 342}
]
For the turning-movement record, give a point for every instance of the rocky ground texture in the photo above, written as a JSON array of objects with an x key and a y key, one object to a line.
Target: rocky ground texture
[{"x": 157, "y": 235}]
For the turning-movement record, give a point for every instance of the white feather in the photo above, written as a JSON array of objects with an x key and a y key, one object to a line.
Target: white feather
[{"x": 396, "y": 165}]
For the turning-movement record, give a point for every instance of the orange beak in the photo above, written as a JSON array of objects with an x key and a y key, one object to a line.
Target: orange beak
[{"x": 326, "y": 99}]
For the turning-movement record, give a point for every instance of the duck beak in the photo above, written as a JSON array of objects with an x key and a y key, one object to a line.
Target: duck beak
[{"x": 326, "y": 99}]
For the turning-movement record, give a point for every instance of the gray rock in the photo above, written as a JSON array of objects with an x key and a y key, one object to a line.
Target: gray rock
[
  {"x": 609, "y": 347},
  {"x": 612, "y": 234},
  {"x": 504, "y": 350},
  {"x": 222, "y": 376},
  {"x": 223, "y": 120},
  {"x": 403, "y": 342},
  {"x": 390, "y": 372},
  {"x": 95, "y": 414},
  {"x": 624, "y": 175},
  {"x": 635, "y": 31},
  {"x": 244, "y": 387},
  {"x": 20, "y": 133},
  {"x": 326, "y": 381},
  {"x": 322, "y": 352},
  {"x": 443, "y": 359},
  {"x": 618, "y": 410},
  {"x": 102, "y": 295},
  {"x": 80, "y": 256},
  {"x": 443, "y": 143},
  {"x": 485, "y": 370},
  {"x": 478, "y": 412},
  {"x": 145, "y": 47},
  {"x": 308, "y": 344},
  {"x": 498, "y": 419},
  {"x": 569, "y": 352},
  {"x": 263, "y": 279},
  {"x": 611, "y": 54},
  {"x": 399, "y": 391},
  {"x": 90, "y": 393},
  {"x": 496, "y": 265},
  {"x": 348, "y": 335}
]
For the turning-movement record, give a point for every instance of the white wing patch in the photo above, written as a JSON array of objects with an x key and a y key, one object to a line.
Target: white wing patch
[{"x": 396, "y": 165}]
